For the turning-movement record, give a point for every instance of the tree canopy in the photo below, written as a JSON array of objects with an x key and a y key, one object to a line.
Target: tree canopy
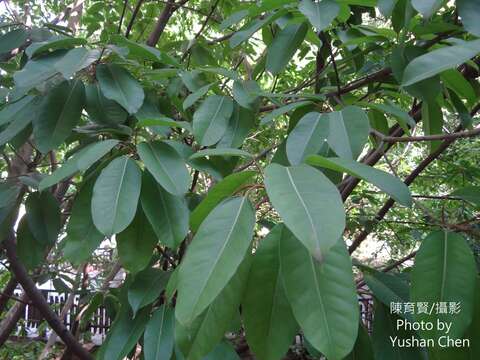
[{"x": 247, "y": 171}]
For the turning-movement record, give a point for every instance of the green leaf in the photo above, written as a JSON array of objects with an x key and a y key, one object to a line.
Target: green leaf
[
  {"x": 251, "y": 28},
  {"x": 307, "y": 137},
  {"x": 9, "y": 192},
  {"x": 146, "y": 288},
  {"x": 269, "y": 323},
  {"x": 392, "y": 185},
  {"x": 18, "y": 118},
  {"x": 102, "y": 110},
  {"x": 282, "y": 110},
  {"x": 444, "y": 271},
  {"x": 436, "y": 61},
  {"x": 427, "y": 7},
  {"x": 52, "y": 44},
  {"x": 201, "y": 337},
  {"x": 12, "y": 40},
  {"x": 362, "y": 349},
  {"x": 469, "y": 11},
  {"x": 384, "y": 330},
  {"x": 386, "y": 7},
  {"x": 119, "y": 85},
  {"x": 168, "y": 214},
  {"x": 320, "y": 14},
  {"x": 115, "y": 196},
  {"x": 323, "y": 296},
  {"x": 218, "y": 248},
  {"x": 195, "y": 96},
  {"x": 166, "y": 166},
  {"x": 348, "y": 131},
  {"x": 43, "y": 215},
  {"x": 165, "y": 121},
  {"x": 82, "y": 235},
  {"x": 454, "y": 80},
  {"x": 158, "y": 339},
  {"x": 404, "y": 119},
  {"x": 10, "y": 111},
  {"x": 223, "y": 189},
  {"x": 210, "y": 121},
  {"x": 220, "y": 152},
  {"x": 309, "y": 204},
  {"x": 76, "y": 60},
  {"x": 30, "y": 251},
  {"x": 284, "y": 46},
  {"x": 58, "y": 114},
  {"x": 37, "y": 71},
  {"x": 136, "y": 244},
  {"x": 124, "y": 333},
  {"x": 245, "y": 93},
  {"x": 468, "y": 193},
  {"x": 80, "y": 161},
  {"x": 239, "y": 126},
  {"x": 432, "y": 122},
  {"x": 224, "y": 350}
]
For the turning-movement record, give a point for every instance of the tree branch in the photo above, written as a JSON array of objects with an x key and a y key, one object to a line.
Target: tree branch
[
  {"x": 132, "y": 19},
  {"x": 452, "y": 136},
  {"x": 167, "y": 12}
]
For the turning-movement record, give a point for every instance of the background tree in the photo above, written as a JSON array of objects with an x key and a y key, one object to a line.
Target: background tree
[{"x": 250, "y": 166}]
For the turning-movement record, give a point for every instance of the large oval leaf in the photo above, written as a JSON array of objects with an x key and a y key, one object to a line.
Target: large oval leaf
[
  {"x": 158, "y": 339},
  {"x": 166, "y": 166},
  {"x": 348, "y": 131},
  {"x": 211, "y": 119},
  {"x": 320, "y": 14},
  {"x": 214, "y": 255},
  {"x": 309, "y": 204},
  {"x": 118, "y": 84},
  {"x": 307, "y": 137},
  {"x": 436, "y": 61},
  {"x": 284, "y": 46},
  {"x": 136, "y": 243},
  {"x": 59, "y": 113},
  {"x": 146, "y": 288},
  {"x": 269, "y": 323},
  {"x": 168, "y": 214},
  {"x": 444, "y": 271},
  {"x": 323, "y": 296},
  {"x": 115, "y": 196},
  {"x": 392, "y": 185},
  {"x": 101, "y": 109},
  {"x": 43, "y": 214}
]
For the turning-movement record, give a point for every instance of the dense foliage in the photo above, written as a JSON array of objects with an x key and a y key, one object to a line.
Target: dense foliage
[{"x": 246, "y": 171}]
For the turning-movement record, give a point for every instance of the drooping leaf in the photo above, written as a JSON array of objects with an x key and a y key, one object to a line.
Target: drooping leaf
[
  {"x": 245, "y": 93},
  {"x": 267, "y": 315},
  {"x": 58, "y": 114},
  {"x": 432, "y": 121},
  {"x": 168, "y": 214},
  {"x": 219, "y": 192},
  {"x": 307, "y": 137},
  {"x": 323, "y": 296},
  {"x": 436, "y": 61},
  {"x": 158, "y": 339},
  {"x": 362, "y": 350},
  {"x": 75, "y": 60},
  {"x": 199, "y": 338},
  {"x": 43, "y": 215},
  {"x": 468, "y": 193},
  {"x": 80, "y": 161},
  {"x": 320, "y": 14},
  {"x": 348, "y": 131},
  {"x": 239, "y": 126},
  {"x": 195, "y": 96},
  {"x": 30, "y": 251},
  {"x": 52, "y": 44},
  {"x": 166, "y": 166},
  {"x": 18, "y": 119},
  {"x": 309, "y": 204},
  {"x": 11, "y": 109},
  {"x": 115, "y": 196},
  {"x": 392, "y": 185},
  {"x": 146, "y": 287},
  {"x": 135, "y": 244},
  {"x": 102, "y": 110},
  {"x": 37, "y": 71},
  {"x": 427, "y": 7},
  {"x": 124, "y": 333},
  {"x": 224, "y": 350},
  {"x": 444, "y": 271},
  {"x": 210, "y": 121},
  {"x": 284, "y": 46},
  {"x": 119, "y": 85},
  {"x": 82, "y": 235},
  {"x": 220, "y": 152},
  {"x": 12, "y": 40},
  {"x": 213, "y": 257},
  {"x": 469, "y": 11},
  {"x": 282, "y": 110}
]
